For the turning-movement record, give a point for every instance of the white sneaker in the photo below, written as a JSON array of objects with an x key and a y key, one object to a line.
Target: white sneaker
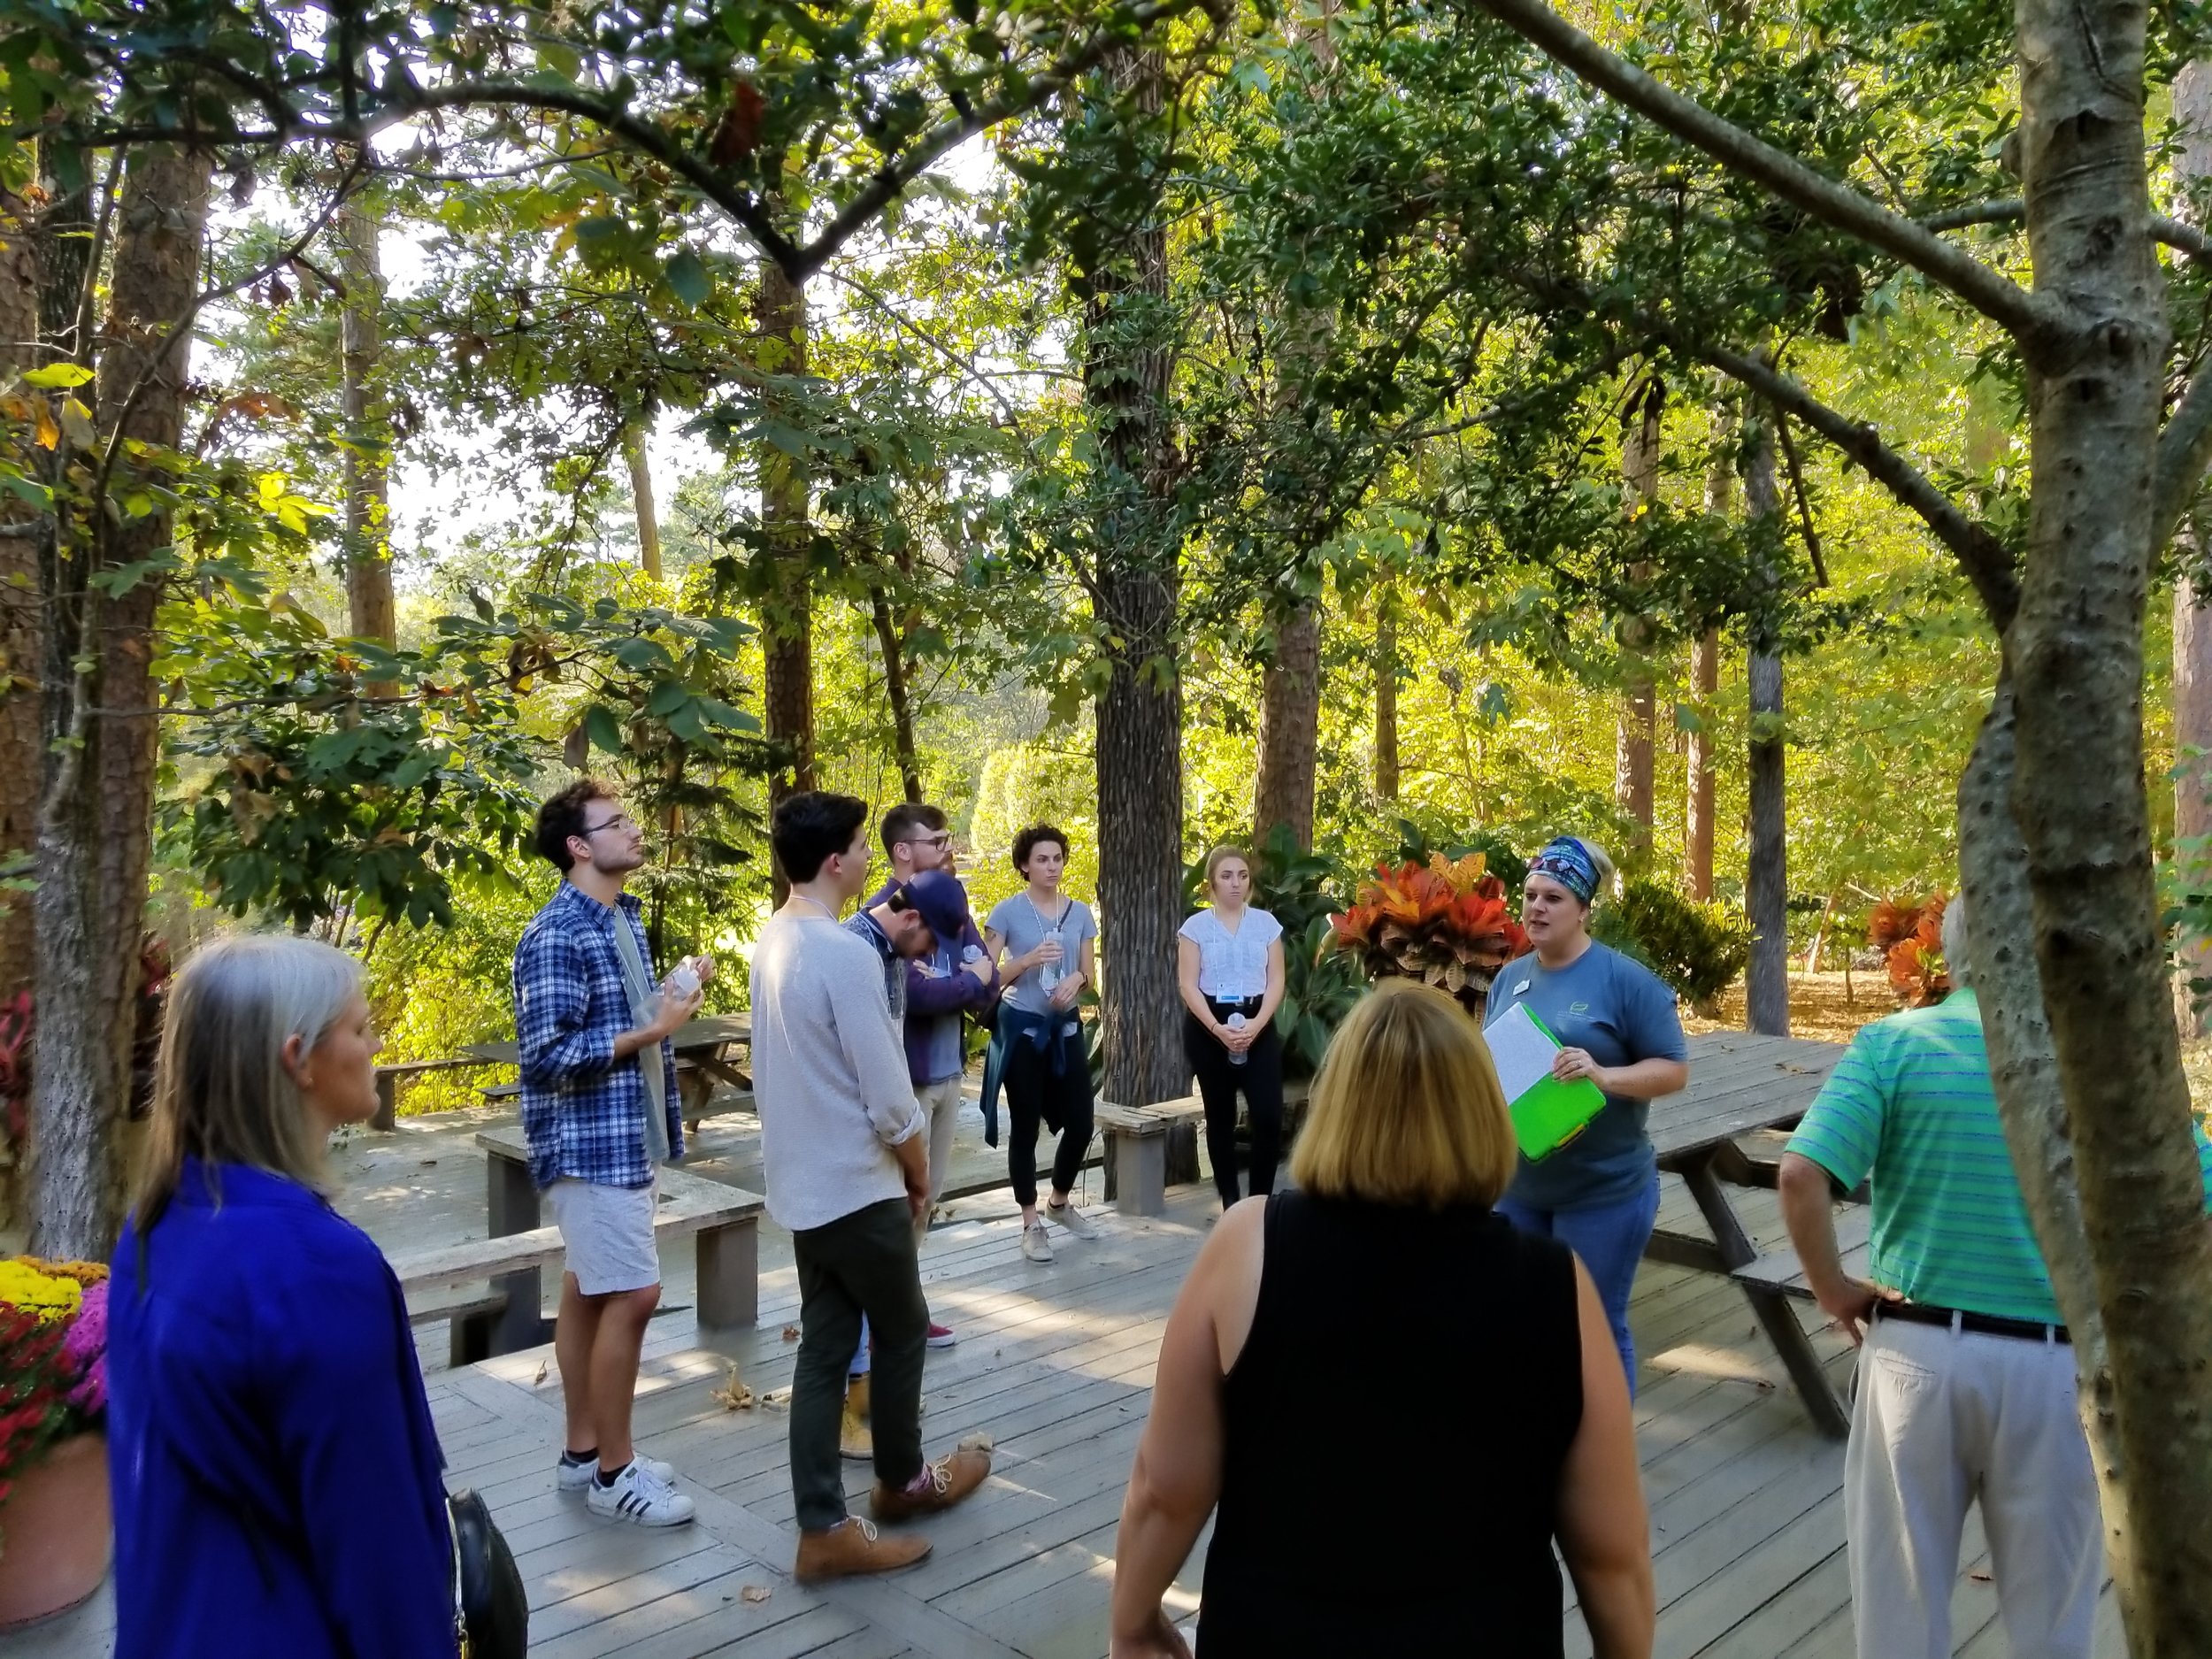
[
  {"x": 576, "y": 1476},
  {"x": 1073, "y": 1220},
  {"x": 1035, "y": 1245},
  {"x": 641, "y": 1496}
]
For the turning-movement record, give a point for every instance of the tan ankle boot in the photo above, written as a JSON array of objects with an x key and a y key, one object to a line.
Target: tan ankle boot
[
  {"x": 851, "y": 1548},
  {"x": 950, "y": 1480},
  {"x": 853, "y": 1438}
]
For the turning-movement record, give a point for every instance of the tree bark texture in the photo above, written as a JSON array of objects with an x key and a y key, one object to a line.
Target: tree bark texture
[
  {"x": 649, "y": 519},
  {"x": 788, "y": 613},
  {"x": 1766, "y": 876},
  {"x": 96, "y": 822},
  {"x": 1697, "y": 825},
  {"x": 1637, "y": 721},
  {"x": 2096, "y": 380},
  {"x": 2193, "y": 622},
  {"x": 1139, "y": 716},
  {"x": 371, "y": 611},
  {"x": 22, "y": 644},
  {"x": 1386, "y": 698},
  {"x": 894, "y": 686},
  {"x": 1290, "y": 723}
]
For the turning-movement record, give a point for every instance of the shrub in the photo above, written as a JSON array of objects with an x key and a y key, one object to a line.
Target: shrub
[{"x": 1698, "y": 948}]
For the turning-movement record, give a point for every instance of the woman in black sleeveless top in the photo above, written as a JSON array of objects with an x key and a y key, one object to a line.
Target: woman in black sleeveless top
[{"x": 1491, "y": 1414}]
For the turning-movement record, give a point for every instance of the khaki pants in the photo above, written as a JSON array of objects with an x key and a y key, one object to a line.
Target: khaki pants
[
  {"x": 941, "y": 1109},
  {"x": 1943, "y": 1419}
]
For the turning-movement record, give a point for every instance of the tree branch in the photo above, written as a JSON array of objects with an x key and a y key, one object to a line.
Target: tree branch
[
  {"x": 1990, "y": 292},
  {"x": 2013, "y": 209},
  {"x": 2184, "y": 449}
]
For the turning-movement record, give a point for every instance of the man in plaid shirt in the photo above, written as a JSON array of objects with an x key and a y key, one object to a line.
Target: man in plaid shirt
[{"x": 599, "y": 1112}]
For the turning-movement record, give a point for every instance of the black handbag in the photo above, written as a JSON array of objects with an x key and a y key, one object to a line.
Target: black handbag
[{"x": 491, "y": 1611}]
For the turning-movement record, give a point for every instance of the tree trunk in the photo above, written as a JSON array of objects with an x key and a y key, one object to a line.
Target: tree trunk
[
  {"x": 1386, "y": 697},
  {"x": 22, "y": 637},
  {"x": 370, "y": 612},
  {"x": 649, "y": 520},
  {"x": 895, "y": 686},
  {"x": 2192, "y": 627},
  {"x": 1290, "y": 722},
  {"x": 787, "y": 615},
  {"x": 1139, "y": 715},
  {"x": 1638, "y": 717},
  {"x": 96, "y": 822},
  {"x": 1766, "y": 879},
  {"x": 1720, "y": 489},
  {"x": 2096, "y": 382}
]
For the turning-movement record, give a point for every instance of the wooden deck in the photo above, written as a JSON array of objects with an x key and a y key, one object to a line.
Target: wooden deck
[{"x": 1055, "y": 1363}]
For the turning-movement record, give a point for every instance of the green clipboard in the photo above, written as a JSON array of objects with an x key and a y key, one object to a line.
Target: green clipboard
[{"x": 1549, "y": 1113}]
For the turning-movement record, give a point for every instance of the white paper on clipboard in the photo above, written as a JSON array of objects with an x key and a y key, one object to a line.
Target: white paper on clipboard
[{"x": 1521, "y": 1049}]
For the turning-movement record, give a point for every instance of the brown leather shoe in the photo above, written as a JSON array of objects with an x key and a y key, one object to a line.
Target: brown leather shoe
[
  {"x": 851, "y": 1548},
  {"x": 950, "y": 1480}
]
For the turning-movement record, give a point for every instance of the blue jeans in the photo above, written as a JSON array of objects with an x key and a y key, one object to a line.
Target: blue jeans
[{"x": 1610, "y": 1239}]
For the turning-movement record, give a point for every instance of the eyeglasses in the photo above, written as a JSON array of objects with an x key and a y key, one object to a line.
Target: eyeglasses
[
  {"x": 620, "y": 820},
  {"x": 941, "y": 839}
]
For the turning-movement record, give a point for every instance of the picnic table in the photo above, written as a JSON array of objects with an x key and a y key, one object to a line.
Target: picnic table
[
  {"x": 703, "y": 1058},
  {"x": 1742, "y": 1086}
]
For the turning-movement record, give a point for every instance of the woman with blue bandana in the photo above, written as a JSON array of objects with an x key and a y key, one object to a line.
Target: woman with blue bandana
[{"x": 1617, "y": 1024}]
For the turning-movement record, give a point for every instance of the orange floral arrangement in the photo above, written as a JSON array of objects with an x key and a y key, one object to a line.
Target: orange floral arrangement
[
  {"x": 1911, "y": 937},
  {"x": 1446, "y": 924}
]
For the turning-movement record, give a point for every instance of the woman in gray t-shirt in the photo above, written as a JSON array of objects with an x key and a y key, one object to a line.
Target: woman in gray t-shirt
[{"x": 1041, "y": 940}]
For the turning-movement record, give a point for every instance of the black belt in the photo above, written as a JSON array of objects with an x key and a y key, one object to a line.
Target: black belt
[
  {"x": 1959, "y": 1319},
  {"x": 1236, "y": 1004}
]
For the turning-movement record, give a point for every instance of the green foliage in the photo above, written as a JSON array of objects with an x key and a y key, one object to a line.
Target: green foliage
[{"x": 1697, "y": 949}]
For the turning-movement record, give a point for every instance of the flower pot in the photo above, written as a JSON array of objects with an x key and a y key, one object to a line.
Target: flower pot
[{"x": 55, "y": 1536}]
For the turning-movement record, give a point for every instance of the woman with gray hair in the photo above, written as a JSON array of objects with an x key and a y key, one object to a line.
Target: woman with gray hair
[{"x": 276, "y": 1474}]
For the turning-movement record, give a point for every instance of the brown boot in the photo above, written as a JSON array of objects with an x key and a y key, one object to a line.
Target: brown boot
[
  {"x": 950, "y": 1480},
  {"x": 851, "y": 1548},
  {"x": 853, "y": 1438}
]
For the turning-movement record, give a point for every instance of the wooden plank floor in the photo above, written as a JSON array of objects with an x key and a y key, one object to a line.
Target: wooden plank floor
[{"x": 1055, "y": 1363}]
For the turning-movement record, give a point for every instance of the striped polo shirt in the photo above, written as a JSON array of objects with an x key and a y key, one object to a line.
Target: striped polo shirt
[{"x": 1911, "y": 1106}]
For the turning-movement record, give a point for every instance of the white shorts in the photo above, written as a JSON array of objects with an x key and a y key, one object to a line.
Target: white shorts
[{"x": 608, "y": 1233}]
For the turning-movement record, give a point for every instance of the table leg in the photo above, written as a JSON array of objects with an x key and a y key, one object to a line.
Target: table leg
[
  {"x": 1736, "y": 1249},
  {"x": 511, "y": 1205},
  {"x": 386, "y": 1117},
  {"x": 1139, "y": 1173},
  {"x": 1829, "y": 1414},
  {"x": 729, "y": 1276}
]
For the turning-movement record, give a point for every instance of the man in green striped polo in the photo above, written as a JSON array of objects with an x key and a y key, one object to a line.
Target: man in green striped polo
[{"x": 1966, "y": 1384}]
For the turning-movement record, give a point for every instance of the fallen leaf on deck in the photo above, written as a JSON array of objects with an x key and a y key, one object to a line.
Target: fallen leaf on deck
[
  {"x": 754, "y": 1594},
  {"x": 430, "y": 1164},
  {"x": 1981, "y": 1578},
  {"x": 780, "y": 1400},
  {"x": 540, "y": 1377},
  {"x": 791, "y": 1334},
  {"x": 733, "y": 1395}
]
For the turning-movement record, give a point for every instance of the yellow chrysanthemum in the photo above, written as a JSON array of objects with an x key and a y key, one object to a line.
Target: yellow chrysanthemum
[{"x": 49, "y": 1296}]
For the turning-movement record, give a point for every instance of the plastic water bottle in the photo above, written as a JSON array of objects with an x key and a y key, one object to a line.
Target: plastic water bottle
[
  {"x": 1237, "y": 1022},
  {"x": 1049, "y": 973}
]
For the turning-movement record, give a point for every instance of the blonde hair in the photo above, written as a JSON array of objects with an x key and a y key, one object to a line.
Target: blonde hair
[
  {"x": 1221, "y": 855},
  {"x": 222, "y": 1092},
  {"x": 1407, "y": 1109}
]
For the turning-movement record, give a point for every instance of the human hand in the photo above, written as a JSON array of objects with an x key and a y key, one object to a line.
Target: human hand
[
  {"x": 1239, "y": 1038},
  {"x": 1048, "y": 950},
  {"x": 1064, "y": 994},
  {"x": 670, "y": 1014},
  {"x": 1570, "y": 1064},
  {"x": 1849, "y": 1303},
  {"x": 704, "y": 967},
  {"x": 979, "y": 966},
  {"x": 1159, "y": 1640},
  {"x": 918, "y": 1195}
]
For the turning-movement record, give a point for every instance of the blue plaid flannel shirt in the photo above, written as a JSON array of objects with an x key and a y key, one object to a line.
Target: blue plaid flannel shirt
[{"x": 583, "y": 1113}]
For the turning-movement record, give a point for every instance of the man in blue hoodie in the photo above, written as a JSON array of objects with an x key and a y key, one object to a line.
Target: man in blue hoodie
[{"x": 956, "y": 981}]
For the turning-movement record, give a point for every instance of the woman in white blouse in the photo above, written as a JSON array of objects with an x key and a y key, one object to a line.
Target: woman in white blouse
[{"x": 1230, "y": 966}]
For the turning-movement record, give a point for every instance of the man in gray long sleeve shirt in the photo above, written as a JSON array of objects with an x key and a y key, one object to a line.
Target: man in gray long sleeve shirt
[{"x": 846, "y": 1162}]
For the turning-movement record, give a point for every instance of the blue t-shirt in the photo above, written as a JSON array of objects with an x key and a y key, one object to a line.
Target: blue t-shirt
[{"x": 1621, "y": 1012}]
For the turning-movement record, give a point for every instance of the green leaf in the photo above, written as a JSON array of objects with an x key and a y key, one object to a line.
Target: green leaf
[
  {"x": 688, "y": 279},
  {"x": 57, "y": 376},
  {"x": 606, "y": 733}
]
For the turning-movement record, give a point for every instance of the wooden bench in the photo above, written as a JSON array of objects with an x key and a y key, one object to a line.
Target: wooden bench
[
  {"x": 1781, "y": 1272},
  {"x": 1137, "y": 1149},
  {"x": 723, "y": 1220},
  {"x": 1772, "y": 1281},
  {"x": 388, "y": 1078}
]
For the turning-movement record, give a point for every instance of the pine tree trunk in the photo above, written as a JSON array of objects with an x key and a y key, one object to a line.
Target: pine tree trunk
[
  {"x": 95, "y": 821},
  {"x": 894, "y": 686},
  {"x": 787, "y": 614},
  {"x": 22, "y": 636},
  {"x": 1139, "y": 716},
  {"x": 1638, "y": 718},
  {"x": 1385, "y": 699},
  {"x": 1290, "y": 720},
  {"x": 2096, "y": 378},
  {"x": 1720, "y": 490},
  {"x": 2193, "y": 627},
  {"x": 371, "y": 611},
  {"x": 648, "y": 519},
  {"x": 1766, "y": 881}
]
